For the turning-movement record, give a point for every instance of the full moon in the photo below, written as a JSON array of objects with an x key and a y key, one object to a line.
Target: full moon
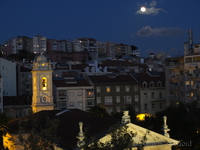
[{"x": 143, "y": 9}]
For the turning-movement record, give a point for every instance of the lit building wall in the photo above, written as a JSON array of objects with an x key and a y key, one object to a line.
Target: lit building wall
[{"x": 8, "y": 74}]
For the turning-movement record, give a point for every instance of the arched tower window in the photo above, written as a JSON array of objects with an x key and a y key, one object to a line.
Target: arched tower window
[{"x": 44, "y": 83}]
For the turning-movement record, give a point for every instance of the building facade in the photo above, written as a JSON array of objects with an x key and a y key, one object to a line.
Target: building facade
[
  {"x": 8, "y": 74},
  {"x": 116, "y": 92}
]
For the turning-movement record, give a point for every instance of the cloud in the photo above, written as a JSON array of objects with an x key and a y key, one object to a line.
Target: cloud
[
  {"x": 148, "y": 31},
  {"x": 151, "y": 9}
]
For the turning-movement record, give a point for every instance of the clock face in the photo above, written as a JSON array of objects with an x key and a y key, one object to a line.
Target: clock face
[{"x": 44, "y": 99}]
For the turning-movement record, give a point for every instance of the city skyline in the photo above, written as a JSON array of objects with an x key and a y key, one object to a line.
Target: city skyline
[{"x": 161, "y": 28}]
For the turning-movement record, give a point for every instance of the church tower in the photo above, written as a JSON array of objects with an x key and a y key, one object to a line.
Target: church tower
[{"x": 42, "y": 85}]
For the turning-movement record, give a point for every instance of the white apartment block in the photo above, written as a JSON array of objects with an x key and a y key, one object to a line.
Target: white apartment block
[
  {"x": 8, "y": 74},
  {"x": 1, "y": 94},
  {"x": 39, "y": 44}
]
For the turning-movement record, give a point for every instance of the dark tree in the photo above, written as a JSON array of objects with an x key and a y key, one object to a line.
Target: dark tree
[
  {"x": 39, "y": 137},
  {"x": 99, "y": 111}
]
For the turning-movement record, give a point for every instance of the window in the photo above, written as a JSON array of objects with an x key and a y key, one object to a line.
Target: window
[
  {"x": 160, "y": 94},
  {"x": 136, "y": 108},
  {"x": 152, "y": 95},
  {"x": 127, "y": 88},
  {"x": 44, "y": 83},
  {"x": 127, "y": 99},
  {"x": 89, "y": 103},
  {"x": 80, "y": 103},
  {"x": 145, "y": 95},
  {"x": 61, "y": 94},
  {"x": 145, "y": 106},
  {"x": 98, "y": 100},
  {"x": 136, "y": 98},
  {"x": 98, "y": 89},
  {"x": 108, "y": 99},
  {"x": 89, "y": 93},
  {"x": 136, "y": 88},
  {"x": 118, "y": 99},
  {"x": 117, "y": 88},
  {"x": 79, "y": 93},
  {"x": 151, "y": 84},
  {"x": 144, "y": 85},
  {"x": 152, "y": 105},
  {"x": 71, "y": 104},
  {"x": 108, "y": 89},
  {"x": 160, "y": 105},
  {"x": 159, "y": 84}
]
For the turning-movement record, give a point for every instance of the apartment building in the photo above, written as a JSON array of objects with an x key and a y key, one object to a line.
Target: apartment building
[
  {"x": 88, "y": 45},
  {"x": 152, "y": 91},
  {"x": 39, "y": 44},
  {"x": 8, "y": 74},
  {"x": 110, "y": 49},
  {"x": 1, "y": 95},
  {"x": 183, "y": 75},
  {"x": 116, "y": 92},
  {"x": 71, "y": 93},
  {"x": 122, "y": 49},
  {"x": 59, "y": 45},
  {"x": 21, "y": 43},
  {"x": 24, "y": 81},
  {"x": 101, "y": 49}
]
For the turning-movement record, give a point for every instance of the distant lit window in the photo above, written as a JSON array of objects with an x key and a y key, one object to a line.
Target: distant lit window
[
  {"x": 108, "y": 89},
  {"x": 90, "y": 93}
]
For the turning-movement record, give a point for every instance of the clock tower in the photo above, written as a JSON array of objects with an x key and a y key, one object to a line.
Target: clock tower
[{"x": 42, "y": 85}]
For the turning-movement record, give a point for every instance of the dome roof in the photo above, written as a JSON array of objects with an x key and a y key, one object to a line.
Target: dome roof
[{"x": 41, "y": 59}]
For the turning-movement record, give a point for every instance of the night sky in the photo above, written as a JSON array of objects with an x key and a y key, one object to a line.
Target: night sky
[{"x": 161, "y": 28}]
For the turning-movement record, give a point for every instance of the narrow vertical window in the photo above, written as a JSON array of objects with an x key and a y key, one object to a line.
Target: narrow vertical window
[{"x": 44, "y": 83}]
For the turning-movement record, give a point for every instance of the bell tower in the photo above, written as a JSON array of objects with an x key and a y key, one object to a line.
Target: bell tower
[{"x": 42, "y": 85}]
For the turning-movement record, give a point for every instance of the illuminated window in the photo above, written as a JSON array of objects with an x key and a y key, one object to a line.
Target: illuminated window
[
  {"x": 44, "y": 83},
  {"x": 191, "y": 94},
  {"x": 108, "y": 89},
  {"x": 89, "y": 93}
]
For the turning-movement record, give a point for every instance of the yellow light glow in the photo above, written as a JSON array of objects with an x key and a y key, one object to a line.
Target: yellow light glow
[
  {"x": 108, "y": 89},
  {"x": 141, "y": 117},
  {"x": 44, "y": 83}
]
